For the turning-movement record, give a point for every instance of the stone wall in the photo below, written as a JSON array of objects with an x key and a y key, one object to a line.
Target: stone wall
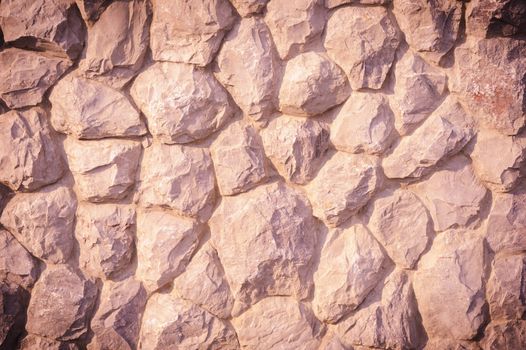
[{"x": 283, "y": 174}]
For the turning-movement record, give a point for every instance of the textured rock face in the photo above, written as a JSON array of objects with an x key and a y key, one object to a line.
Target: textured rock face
[
  {"x": 495, "y": 18},
  {"x": 17, "y": 266},
  {"x": 13, "y": 304}
]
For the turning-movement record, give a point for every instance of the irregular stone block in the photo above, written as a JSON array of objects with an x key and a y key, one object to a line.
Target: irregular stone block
[
  {"x": 490, "y": 18},
  {"x": 33, "y": 342},
  {"x": 13, "y": 304},
  {"x": 17, "y": 266},
  {"x": 505, "y": 335},
  {"x": 335, "y": 3},
  {"x": 248, "y": 8},
  {"x": 91, "y": 9}
]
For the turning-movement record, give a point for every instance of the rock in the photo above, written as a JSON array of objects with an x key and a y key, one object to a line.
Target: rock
[
  {"x": 29, "y": 154},
  {"x": 272, "y": 231},
  {"x": 191, "y": 328},
  {"x": 105, "y": 234},
  {"x": 189, "y": 32},
  {"x": 431, "y": 28},
  {"x": 296, "y": 147},
  {"x": 331, "y": 342},
  {"x": 366, "y": 65},
  {"x": 350, "y": 267},
  {"x": 400, "y": 222},
  {"x": 86, "y": 109},
  {"x": 248, "y": 67},
  {"x": 13, "y": 304},
  {"x": 91, "y": 9},
  {"x": 294, "y": 24},
  {"x": 247, "y": 8},
  {"x": 34, "y": 342},
  {"x": 204, "y": 283},
  {"x": 452, "y": 272},
  {"x": 109, "y": 173},
  {"x": 451, "y": 344},
  {"x": 17, "y": 266},
  {"x": 343, "y": 186},
  {"x": 165, "y": 244},
  {"x": 239, "y": 159},
  {"x": 293, "y": 325},
  {"x": 495, "y": 18},
  {"x": 442, "y": 135},
  {"x": 43, "y": 222},
  {"x": 178, "y": 177},
  {"x": 364, "y": 124},
  {"x": 182, "y": 103},
  {"x": 117, "y": 43},
  {"x": 335, "y": 3},
  {"x": 27, "y": 75},
  {"x": 312, "y": 84},
  {"x": 61, "y": 304},
  {"x": 505, "y": 336}
]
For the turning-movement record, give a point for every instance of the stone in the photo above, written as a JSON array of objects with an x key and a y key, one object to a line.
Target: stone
[
  {"x": 344, "y": 185},
  {"x": 168, "y": 320},
  {"x": 189, "y": 32},
  {"x": 365, "y": 65},
  {"x": 178, "y": 177},
  {"x": 431, "y": 27},
  {"x": 505, "y": 335},
  {"x": 293, "y": 325},
  {"x": 248, "y": 8},
  {"x": 17, "y": 266},
  {"x": 272, "y": 231},
  {"x": 109, "y": 173},
  {"x": 239, "y": 159},
  {"x": 30, "y": 156},
  {"x": 33, "y": 342},
  {"x": 351, "y": 264},
  {"x": 43, "y": 222},
  {"x": 452, "y": 272},
  {"x": 13, "y": 304},
  {"x": 400, "y": 222},
  {"x": 442, "y": 135},
  {"x": 335, "y": 3},
  {"x": 117, "y": 43},
  {"x": 204, "y": 283},
  {"x": 331, "y": 342},
  {"x": 105, "y": 233},
  {"x": 91, "y": 9},
  {"x": 165, "y": 244},
  {"x": 493, "y": 18},
  {"x": 451, "y": 344},
  {"x": 365, "y": 123},
  {"x": 296, "y": 147},
  {"x": 87, "y": 109},
  {"x": 248, "y": 67},
  {"x": 311, "y": 85},
  {"x": 61, "y": 291},
  {"x": 294, "y": 24},
  {"x": 27, "y": 75}
]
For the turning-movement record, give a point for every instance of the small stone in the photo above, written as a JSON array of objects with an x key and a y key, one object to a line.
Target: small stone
[
  {"x": 248, "y": 8},
  {"x": 509, "y": 335},
  {"x": 490, "y": 18},
  {"x": 13, "y": 304},
  {"x": 17, "y": 266},
  {"x": 312, "y": 84},
  {"x": 34, "y": 342},
  {"x": 335, "y": 3},
  {"x": 91, "y": 9},
  {"x": 366, "y": 65}
]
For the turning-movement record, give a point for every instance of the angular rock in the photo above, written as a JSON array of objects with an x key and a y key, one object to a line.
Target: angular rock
[
  {"x": 350, "y": 267},
  {"x": 27, "y": 75},
  {"x": 312, "y": 84},
  {"x": 442, "y": 135},
  {"x": 87, "y": 109},
  {"x": 331, "y": 342},
  {"x": 490, "y": 18},
  {"x": 365, "y": 65},
  {"x": 247, "y": 8},
  {"x": 43, "y": 222},
  {"x": 248, "y": 67},
  {"x": 296, "y": 147},
  {"x": 272, "y": 231},
  {"x": 189, "y": 32},
  {"x": 165, "y": 244},
  {"x": 33, "y": 342},
  {"x": 293, "y": 325},
  {"x": 343, "y": 186},
  {"x": 13, "y": 304},
  {"x": 239, "y": 159},
  {"x": 400, "y": 222},
  {"x": 17, "y": 266},
  {"x": 505, "y": 335},
  {"x": 451, "y": 344},
  {"x": 109, "y": 172},
  {"x": 91, "y": 9},
  {"x": 335, "y": 3},
  {"x": 168, "y": 320},
  {"x": 452, "y": 272},
  {"x": 365, "y": 123},
  {"x": 30, "y": 158},
  {"x": 61, "y": 291}
]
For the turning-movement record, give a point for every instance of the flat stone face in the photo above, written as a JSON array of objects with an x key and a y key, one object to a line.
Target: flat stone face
[
  {"x": 17, "y": 266},
  {"x": 247, "y": 8}
]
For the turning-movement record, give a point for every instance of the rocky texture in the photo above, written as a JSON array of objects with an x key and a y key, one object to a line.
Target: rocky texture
[
  {"x": 13, "y": 304},
  {"x": 247, "y": 8},
  {"x": 17, "y": 266},
  {"x": 335, "y": 3},
  {"x": 32, "y": 341},
  {"x": 91, "y": 9},
  {"x": 495, "y": 18},
  {"x": 506, "y": 335}
]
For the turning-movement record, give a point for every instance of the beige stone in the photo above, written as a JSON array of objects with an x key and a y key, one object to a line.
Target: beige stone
[
  {"x": 247, "y": 8},
  {"x": 17, "y": 266},
  {"x": 509, "y": 335},
  {"x": 34, "y": 342}
]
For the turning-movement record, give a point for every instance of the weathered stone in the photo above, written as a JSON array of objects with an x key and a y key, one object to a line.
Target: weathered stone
[
  {"x": 29, "y": 156},
  {"x": 292, "y": 323},
  {"x": 312, "y": 84},
  {"x": 505, "y": 336},
  {"x": 366, "y": 65},
  {"x": 451, "y": 344},
  {"x": 449, "y": 286},
  {"x": 35, "y": 342},
  {"x": 336, "y": 3},
  {"x": 272, "y": 231},
  {"x": 108, "y": 173},
  {"x": 17, "y": 266},
  {"x": 239, "y": 159},
  {"x": 248, "y": 67},
  {"x": 189, "y": 32},
  {"x": 61, "y": 304},
  {"x": 365, "y": 123},
  {"x": 87, "y": 109},
  {"x": 168, "y": 321},
  {"x": 343, "y": 186},
  {"x": 91, "y": 9},
  {"x": 247, "y": 8},
  {"x": 350, "y": 267},
  {"x": 490, "y": 18},
  {"x": 43, "y": 222},
  {"x": 165, "y": 244},
  {"x": 13, "y": 304},
  {"x": 331, "y": 342}
]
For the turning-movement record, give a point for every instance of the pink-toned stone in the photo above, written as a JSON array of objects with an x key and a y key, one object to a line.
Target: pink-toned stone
[
  {"x": 248, "y": 8},
  {"x": 34, "y": 342},
  {"x": 490, "y": 18},
  {"x": 17, "y": 266},
  {"x": 91, "y": 9},
  {"x": 509, "y": 335},
  {"x": 335, "y": 3}
]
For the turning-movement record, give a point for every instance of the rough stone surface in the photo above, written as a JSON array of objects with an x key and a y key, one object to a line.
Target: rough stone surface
[
  {"x": 91, "y": 9},
  {"x": 31, "y": 342},
  {"x": 17, "y": 266},
  {"x": 506, "y": 335},
  {"x": 247, "y": 8},
  {"x": 493, "y": 18},
  {"x": 13, "y": 304},
  {"x": 336, "y": 3}
]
